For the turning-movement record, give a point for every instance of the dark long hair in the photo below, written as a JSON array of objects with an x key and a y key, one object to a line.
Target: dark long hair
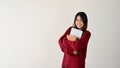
[{"x": 84, "y": 20}]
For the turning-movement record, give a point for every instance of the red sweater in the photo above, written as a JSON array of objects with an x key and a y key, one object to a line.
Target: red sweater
[{"x": 71, "y": 60}]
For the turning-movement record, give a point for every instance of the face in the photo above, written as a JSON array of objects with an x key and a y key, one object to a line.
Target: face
[{"x": 79, "y": 23}]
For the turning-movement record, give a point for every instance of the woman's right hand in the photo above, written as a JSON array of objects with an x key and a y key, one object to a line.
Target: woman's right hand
[{"x": 71, "y": 37}]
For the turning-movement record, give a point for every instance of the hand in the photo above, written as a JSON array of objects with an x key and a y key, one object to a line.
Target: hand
[
  {"x": 71, "y": 37},
  {"x": 75, "y": 52}
]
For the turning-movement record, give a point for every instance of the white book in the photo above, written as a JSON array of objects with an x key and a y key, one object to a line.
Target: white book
[{"x": 76, "y": 32}]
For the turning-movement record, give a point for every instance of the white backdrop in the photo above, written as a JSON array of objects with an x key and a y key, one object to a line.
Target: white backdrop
[{"x": 30, "y": 29}]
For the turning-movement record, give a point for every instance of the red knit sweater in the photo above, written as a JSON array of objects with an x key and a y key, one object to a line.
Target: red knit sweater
[{"x": 71, "y": 60}]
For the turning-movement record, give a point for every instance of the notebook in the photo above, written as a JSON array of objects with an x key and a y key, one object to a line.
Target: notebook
[{"x": 76, "y": 32}]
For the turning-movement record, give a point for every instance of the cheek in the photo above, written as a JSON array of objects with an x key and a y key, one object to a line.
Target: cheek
[
  {"x": 82, "y": 24},
  {"x": 77, "y": 23}
]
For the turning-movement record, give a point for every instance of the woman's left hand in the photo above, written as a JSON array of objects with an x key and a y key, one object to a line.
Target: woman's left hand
[
  {"x": 71, "y": 37},
  {"x": 76, "y": 52}
]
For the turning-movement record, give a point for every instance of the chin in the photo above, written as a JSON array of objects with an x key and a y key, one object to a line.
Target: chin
[{"x": 79, "y": 27}]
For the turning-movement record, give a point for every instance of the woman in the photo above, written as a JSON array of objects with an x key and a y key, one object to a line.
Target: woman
[{"x": 74, "y": 48}]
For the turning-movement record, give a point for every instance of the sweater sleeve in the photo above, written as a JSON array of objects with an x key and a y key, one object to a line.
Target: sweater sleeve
[
  {"x": 65, "y": 47},
  {"x": 80, "y": 43}
]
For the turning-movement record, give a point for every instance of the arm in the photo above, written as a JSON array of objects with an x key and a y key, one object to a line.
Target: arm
[
  {"x": 83, "y": 41},
  {"x": 65, "y": 47},
  {"x": 80, "y": 43}
]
